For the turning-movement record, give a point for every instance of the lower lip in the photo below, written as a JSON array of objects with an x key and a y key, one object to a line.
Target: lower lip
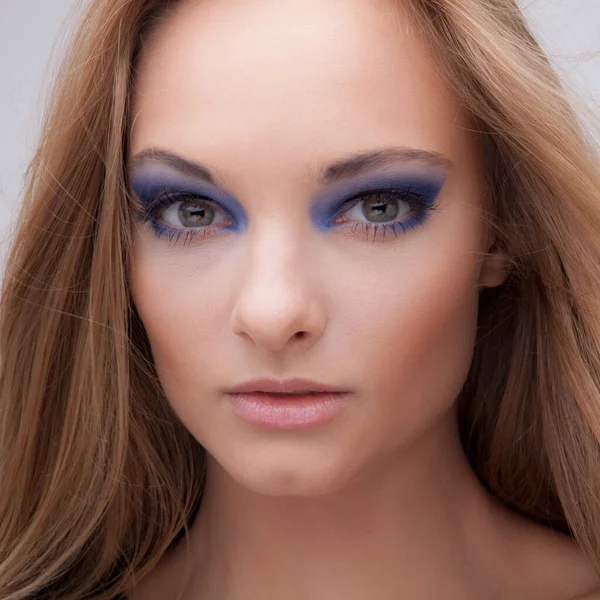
[{"x": 288, "y": 411}]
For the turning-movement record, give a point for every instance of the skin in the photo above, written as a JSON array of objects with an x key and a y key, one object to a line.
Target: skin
[{"x": 380, "y": 502}]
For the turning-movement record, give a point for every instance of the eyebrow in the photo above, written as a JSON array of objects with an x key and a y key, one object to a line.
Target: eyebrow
[{"x": 350, "y": 166}]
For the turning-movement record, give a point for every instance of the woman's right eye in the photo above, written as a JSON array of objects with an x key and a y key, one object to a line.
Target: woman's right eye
[{"x": 194, "y": 213}]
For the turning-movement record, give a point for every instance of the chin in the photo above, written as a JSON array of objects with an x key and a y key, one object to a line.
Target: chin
[{"x": 273, "y": 471}]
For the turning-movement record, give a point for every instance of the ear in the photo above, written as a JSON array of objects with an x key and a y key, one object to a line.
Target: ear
[{"x": 494, "y": 269}]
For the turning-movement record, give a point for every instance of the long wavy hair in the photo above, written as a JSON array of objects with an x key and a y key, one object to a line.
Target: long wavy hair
[{"x": 99, "y": 477}]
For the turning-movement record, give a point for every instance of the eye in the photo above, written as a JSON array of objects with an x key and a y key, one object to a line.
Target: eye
[
  {"x": 386, "y": 210},
  {"x": 380, "y": 207},
  {"x": 195, "y": 212}
]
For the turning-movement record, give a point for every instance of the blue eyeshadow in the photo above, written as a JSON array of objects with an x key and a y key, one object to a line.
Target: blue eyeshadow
[
  {"x": 148, "y": 184},
  {"x": 329, "y": 202}
]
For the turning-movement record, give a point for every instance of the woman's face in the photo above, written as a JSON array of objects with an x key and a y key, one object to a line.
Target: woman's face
[{"x": 275, "y": 100}]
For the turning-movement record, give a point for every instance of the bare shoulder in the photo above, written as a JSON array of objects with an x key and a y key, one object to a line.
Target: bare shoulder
[
  {"x": 593, "y": 596},
  {"x": 543, "y": 563},
  {"x": 562, "y": 567},
  {"x": 561, "y": 555}
]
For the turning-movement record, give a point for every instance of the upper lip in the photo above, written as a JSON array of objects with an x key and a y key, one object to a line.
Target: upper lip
[{"x": 283, "y": 386}]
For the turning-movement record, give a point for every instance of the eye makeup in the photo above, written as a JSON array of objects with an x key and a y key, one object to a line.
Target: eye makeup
[
  {"x": 151, "y": 184},
  {"x": 157, "y": 190},
  {"x": 418, "y": 190}
]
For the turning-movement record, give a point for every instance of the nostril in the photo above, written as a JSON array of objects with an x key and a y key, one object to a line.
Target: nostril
[{"x": 301, "y": 334}]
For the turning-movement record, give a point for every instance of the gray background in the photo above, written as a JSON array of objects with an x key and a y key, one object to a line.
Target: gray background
[{"x": 32, "y": 34}]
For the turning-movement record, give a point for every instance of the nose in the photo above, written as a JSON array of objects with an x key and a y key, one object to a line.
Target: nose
[{"x": 277, "y": 306}]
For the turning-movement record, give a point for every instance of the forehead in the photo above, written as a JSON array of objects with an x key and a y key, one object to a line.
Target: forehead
[{"x": 262, "y": 80}]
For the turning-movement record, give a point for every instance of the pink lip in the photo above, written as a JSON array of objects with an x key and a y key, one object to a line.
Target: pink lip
[
  {"x": 288, "y": 411},
  {"x": 284, "y": 386}
]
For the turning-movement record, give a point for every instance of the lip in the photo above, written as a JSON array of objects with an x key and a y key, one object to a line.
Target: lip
[
  {"x": 285, "y": 386},
  {"x": 284, "y": 411}
]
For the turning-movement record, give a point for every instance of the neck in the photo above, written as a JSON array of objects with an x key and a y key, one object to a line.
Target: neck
[{"x": 420, "y": 511}]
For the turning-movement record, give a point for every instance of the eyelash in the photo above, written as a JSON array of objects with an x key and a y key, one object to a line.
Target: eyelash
[{"x": 164, "y": 199}]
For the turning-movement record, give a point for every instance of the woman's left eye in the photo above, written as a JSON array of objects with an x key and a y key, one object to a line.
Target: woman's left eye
[
  {"x": 380, "y": 207},
  {"x": 383, "y": 210}
]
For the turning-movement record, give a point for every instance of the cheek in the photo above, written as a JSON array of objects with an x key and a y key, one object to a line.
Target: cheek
[
  {"x": 181, "y": 306},
  {"x": 418, "y": 324},
  {"x": 420, "y": 364}
]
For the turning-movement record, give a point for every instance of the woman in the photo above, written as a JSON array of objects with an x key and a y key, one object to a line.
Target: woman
[{"x": 303, "y": 304}]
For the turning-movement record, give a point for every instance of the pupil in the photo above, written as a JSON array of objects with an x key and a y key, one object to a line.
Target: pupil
[
  {"x": 380, "y": 209},
  {"x": 193, "y": 214}
]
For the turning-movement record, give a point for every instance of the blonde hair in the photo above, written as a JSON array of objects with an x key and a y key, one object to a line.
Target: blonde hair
[{"x": 99, "y": 476}]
